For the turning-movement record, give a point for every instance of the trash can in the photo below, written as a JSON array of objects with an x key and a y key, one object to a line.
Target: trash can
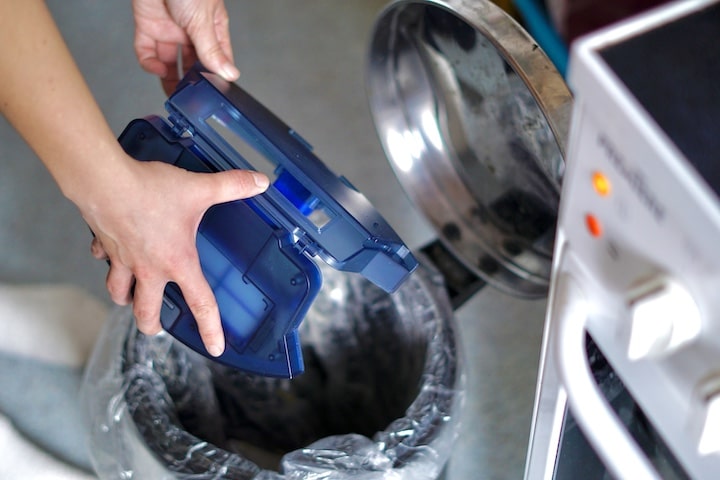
[{"x": 380, "y": 397}]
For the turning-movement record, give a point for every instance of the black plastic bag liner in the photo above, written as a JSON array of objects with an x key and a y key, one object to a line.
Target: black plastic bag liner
[{"x": 380, "y": 398}]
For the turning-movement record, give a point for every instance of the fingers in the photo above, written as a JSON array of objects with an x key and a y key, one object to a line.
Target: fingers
[
  {"x": 211, "y": 40},
  {"x": 201, "y": 300},
  {"x": 97, "y": 250},
  {"x": 169, "y": 84},
  {"x": 222, "y": 31},
  {"x": 146, "y": 50},
  {"x": 188, "y": 57},
  {"x": 161, "y": 59},
  {"x": 234, "y": 185},
  {"x": 144, "y": 258},
  {"x": 146, "y": 294},
  {"x": 119, "y": 283},
  {"x": 200, "y": 27},
  {"x": 147, "y": 302}
]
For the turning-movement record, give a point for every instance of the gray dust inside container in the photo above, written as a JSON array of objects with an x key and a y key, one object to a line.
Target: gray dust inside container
[{"x": 379, "y": 399}]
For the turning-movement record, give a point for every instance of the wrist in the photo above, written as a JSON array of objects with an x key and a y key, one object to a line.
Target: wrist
[{"x": 96, "y": 179}]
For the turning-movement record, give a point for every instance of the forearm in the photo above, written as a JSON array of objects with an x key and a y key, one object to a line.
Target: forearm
[
  {"x": 123, "y": 201},
  {"x": 45, "y": 97}
]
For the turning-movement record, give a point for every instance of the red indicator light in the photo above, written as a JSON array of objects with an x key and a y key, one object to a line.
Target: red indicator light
[{"x": 593, "y": 225}]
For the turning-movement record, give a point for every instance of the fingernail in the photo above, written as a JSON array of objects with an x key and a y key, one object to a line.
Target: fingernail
[
  {"x": 215, "y": 350},
  {"x": 230, "y": 72},
  {"x": 262, "y": 181}
]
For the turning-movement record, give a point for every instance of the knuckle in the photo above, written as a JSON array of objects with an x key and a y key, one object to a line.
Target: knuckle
[
  {"x": 222, "y": 20},
  {"x": 97, "y": 250},
  {"x": 118, "y": 294},
  {"x": 213, "y": 51},
  {"x": 204, "y": 311},
  {"x": 146, "y": 320},
  {"x": 143, "y": 272},
  {"x": 142, "y": 314}
]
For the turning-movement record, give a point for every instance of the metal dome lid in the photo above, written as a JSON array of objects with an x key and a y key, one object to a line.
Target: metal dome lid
[{"x": 473, "y": 117}]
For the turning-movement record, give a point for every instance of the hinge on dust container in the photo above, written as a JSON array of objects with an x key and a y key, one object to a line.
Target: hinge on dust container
[{"x": 179, "y": 126}]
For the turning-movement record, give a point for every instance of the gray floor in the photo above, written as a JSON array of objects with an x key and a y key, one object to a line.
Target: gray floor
[{"x": 305, "y": 60}]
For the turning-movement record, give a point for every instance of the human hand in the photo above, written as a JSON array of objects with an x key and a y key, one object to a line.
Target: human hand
[
  {"x": 145, "y": 214},
  {"x": 147, "y": 228},
  {"x": 200, "y": 27}
]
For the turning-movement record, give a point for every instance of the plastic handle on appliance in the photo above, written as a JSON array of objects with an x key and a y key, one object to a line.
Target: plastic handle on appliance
[
  {"x": 326, "y": 216},
  {"x": 612, "y": 442}
]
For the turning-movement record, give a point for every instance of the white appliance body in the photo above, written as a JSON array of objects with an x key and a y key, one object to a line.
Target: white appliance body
[{"x": 637, "y": 255}]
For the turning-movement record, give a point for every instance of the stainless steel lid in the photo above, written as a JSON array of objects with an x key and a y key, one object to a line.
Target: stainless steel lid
[{"x": 473, "y": 118}]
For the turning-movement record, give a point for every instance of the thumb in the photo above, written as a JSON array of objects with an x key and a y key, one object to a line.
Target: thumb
[
  {"x": 235, "y": 185},
  {"x": 210, "y": 51}
]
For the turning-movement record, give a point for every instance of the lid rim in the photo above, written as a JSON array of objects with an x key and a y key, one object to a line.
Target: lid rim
[{"x": 400, "y": 91}]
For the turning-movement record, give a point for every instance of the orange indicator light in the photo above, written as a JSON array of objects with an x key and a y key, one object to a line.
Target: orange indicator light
[
  {"x": 601, "y": 184},
  {"x": 593, "y": 225}
]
